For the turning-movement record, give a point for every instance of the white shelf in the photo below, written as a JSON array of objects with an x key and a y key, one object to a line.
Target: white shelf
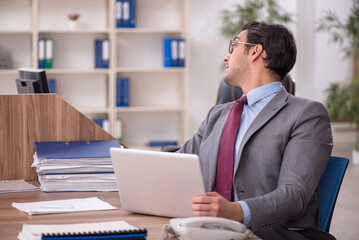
[
  {"x": 149, "y": 69},
  {"x": 94, "y": 110},
  {"x": 15, "y": 31},
  {"x": 8, "y": 71},
  {"x": 77, "y": 71},
  {"x": 148, "y": 30},
  {"x": 149, "y": 109},
  {"x": 72, "y": 31}
]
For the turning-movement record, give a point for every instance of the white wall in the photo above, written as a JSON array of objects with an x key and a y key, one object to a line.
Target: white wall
[{"x": 318, "y": 62}]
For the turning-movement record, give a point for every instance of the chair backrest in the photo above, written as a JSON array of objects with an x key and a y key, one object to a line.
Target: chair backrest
[
  {"x": 227, "y": 93},
  {"x": 328, "y": 189}
]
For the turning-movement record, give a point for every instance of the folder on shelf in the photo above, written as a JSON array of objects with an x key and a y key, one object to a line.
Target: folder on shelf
[
  {"x": 170, "y": 52},
  {"x": 181, "y": 52},
  {"x": 102, "y": 53},
  {"x": 122, "y": 92},
  {"x": 97, "y": 230},
  {"x": 52, "y": 85},
  {"x": 49, "y": 52},
  {"x": 127, "y": 9},
  {"x": 41, "y": 53},
  {"x": 119, "y": 18}
]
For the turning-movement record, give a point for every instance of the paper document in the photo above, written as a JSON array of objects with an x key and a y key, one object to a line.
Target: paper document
[
  {"x": 63, "y": 206},
  {"x": 10, "y": 186}
]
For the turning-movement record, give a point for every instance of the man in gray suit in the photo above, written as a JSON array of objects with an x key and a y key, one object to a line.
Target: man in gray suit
[{"x": 282, "y": 146}]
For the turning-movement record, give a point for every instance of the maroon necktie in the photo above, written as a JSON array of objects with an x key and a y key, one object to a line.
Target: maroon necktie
[{"x": 225, "y": 162}]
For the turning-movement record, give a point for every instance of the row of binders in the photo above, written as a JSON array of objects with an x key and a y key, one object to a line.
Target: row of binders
[
  {"x": 174, "y": 53},
  {"x": 45, "y": 52},
  {"x": 125, "y": 13},
  {"x": 75, "y": 166}
]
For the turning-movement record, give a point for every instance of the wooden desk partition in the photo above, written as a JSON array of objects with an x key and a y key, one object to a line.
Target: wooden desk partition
[{"x": 29, "y": 118}]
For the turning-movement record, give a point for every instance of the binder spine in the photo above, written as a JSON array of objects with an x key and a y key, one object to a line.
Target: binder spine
[
  {"x": 167, "y": 61},
  {"x": 126, "y": 234},
  {"x": 126, "y": 12},
  {"x": 41, "y": 53},
  {"x": 119, "y": 14},
  {"x": 102, "y": 53},
  {"x": 49, "y": 52}
]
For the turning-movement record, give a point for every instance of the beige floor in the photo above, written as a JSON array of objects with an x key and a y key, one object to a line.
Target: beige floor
[{"x": 345, "y": 222}]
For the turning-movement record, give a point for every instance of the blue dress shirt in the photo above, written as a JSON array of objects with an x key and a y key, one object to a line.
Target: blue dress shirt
[{"x": 257, "y": 99}]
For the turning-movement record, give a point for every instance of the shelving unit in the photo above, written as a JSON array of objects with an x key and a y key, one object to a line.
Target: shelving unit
[{"x": 158, "y": 96}]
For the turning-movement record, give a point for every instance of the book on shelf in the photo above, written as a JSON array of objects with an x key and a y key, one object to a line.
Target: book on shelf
[
  {"x": 123, "y": 92},
  {"x": 45, "y": 52},
  {"x": 162, "y": 143},
  {"x": 174, "y": 52},
  {"x": 75, "y": 165},
  {"x": 102, "y": 53},
  {"x": 95, "y": 230},
  {"x": 52, "y": 85},
  {"x": 125, "y": 13}
]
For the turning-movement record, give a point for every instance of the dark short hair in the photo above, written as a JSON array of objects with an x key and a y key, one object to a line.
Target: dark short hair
[{"x": 277, "y": 41}]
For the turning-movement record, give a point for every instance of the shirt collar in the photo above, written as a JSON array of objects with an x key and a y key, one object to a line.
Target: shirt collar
[{"x": 259, "y": 93}]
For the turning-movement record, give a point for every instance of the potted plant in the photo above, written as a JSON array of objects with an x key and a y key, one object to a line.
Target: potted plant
[
  {"x": 343, "y": 99},
  {"x": 73, "y": 16},
  {"x": 249, "y": 11}
]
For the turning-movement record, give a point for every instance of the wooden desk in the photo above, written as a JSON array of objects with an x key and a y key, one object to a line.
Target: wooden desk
[{"x": 11, "y": 219}]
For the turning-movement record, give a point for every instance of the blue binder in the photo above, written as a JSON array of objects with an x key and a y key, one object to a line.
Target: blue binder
[
  {"x": 181, "y": 52},
  {"x": 167, "y": 60},
  {"x": 119, "y": 14},
  {"x": 128, "y": 13},
  {"x": 41, "y": 52},
  {"x": 75, "y": 149},
  {"x": 102, "y": 53},
  {"x": 52, "y": 85},
  {"x": 171, "y": 52},
  {"x": 122, "y": 92}
]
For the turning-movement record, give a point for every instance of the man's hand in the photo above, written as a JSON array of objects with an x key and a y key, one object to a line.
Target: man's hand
[{"x": 214, "y": 205}]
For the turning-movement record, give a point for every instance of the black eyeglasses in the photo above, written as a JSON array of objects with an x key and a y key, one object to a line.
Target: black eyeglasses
[{"x": 232, "y": 45}]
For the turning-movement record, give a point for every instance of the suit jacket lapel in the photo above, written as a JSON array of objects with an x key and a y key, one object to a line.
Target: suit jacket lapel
[{"x": 273, "y": 107}]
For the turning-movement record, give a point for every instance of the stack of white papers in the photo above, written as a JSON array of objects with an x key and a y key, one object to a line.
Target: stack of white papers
[
  {"x": 10, "y": 186},
  {"x": 63, "y": 206},
  {"x": 75, "y": 166}
]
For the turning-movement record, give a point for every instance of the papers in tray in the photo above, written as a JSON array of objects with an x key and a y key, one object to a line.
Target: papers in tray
[
  {"x": 63, "y": 206},
  {"x": 10, "y": 186}
]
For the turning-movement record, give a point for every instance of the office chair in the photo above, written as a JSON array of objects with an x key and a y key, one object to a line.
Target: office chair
[
  {"x": 328, "y": 190},
  {"x": 227, "y": 93}
]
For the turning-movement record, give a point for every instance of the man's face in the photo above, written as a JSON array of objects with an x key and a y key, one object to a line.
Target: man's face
[{"x": 237, "y": 63}]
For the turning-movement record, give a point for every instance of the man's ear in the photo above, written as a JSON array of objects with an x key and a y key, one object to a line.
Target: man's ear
[{"x": 256, "y": 51}]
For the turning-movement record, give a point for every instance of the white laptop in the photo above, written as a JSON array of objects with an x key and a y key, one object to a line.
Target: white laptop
[{"x": 157, "y": 183}]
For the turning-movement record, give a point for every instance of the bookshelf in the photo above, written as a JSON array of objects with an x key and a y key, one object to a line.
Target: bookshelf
[{"x": 158, "y": 96}]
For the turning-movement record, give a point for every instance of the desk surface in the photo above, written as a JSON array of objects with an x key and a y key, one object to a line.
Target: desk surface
[{"x": 11, "y": 219}]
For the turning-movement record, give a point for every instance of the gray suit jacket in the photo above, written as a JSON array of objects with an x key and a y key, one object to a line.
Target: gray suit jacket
[{"x": 280, "y": 161}]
